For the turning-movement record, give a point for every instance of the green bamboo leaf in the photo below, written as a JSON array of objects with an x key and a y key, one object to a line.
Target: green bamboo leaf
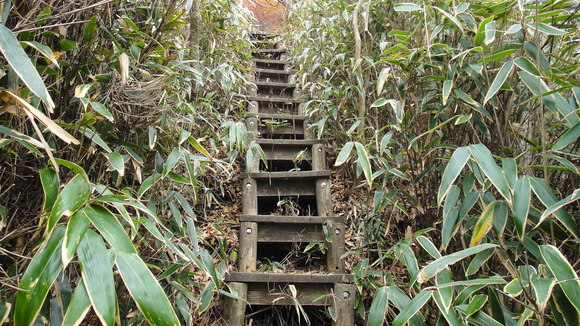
[
  {"x": 400, "y": 300},
  {"x": 480, "y": 35},
  {"x": 102, "y": 110},
  {"x": 452, "y": 170},
  {"x": 439, "y": 264},
  {"x": 555, "y": 102},
  {"x": 117, "y": 162},
  {"x": 412, "y": 308},
  {"x": 197, "y": 145},
  {"x": 378, "y": 307},
  {"x": 93, "y": 136},
  {"x": 73, "y": 167},
  {"x": 110, "y": 228},
  {"x": 75, "y": 230},
  {"x": 408, "y": 7},
  {"x": 429, "y": 247},
  {"x": 542, "y": 289},
  {"x": 152, "y": 137},
  {"x": 447, "y": 86},
  {"x": 546, "y": 196},
  {"x": 567, "y": 138},
  {"x": 498, "y": 55},
  {"x": 499, "y": 80},
  {"x": 547, "y": 29},
  {"x": 514, "y": 29},
  {"x": 445, "y": 294},
  {"x": 363, "y": 159},
  {"x": 476, "y": 282},
  {"x": 484, "y": 224},
  {"x": 78, "y": 306},
  {"x": 527, "y": 66},
  {"x": 172, "y": 160},
  {"x": 485, "y": 161},
  {"x": 476, "y": 304},
  {"x": 478, "y": 261},
  {"x": 89, "y": 30},
  {"x": 510, "y": 170},
  {"x": 380, "y": 102},
  {"x": 23, "y": 67},
  {"x": 574, "y": 196},
  {"x": 4, "y": 312},
  {"x": 44, "y": 50},
  {"x": 50, "y": 183},
  {"x": 210, "y": 267},
  {"x": 38, "y": 279},
  {"x": 513, "y": 288},
  {"x": 206, "y": 297},
  {"x": 449, "y": 315},
  {"x": 145, "y": 290},
  {"x": 521, "y": 207},
  {"x": 564, "y": 273},
  {"x": 70, "y": 199},
  {"x": 489, "y": 32},
  {"x": 451, "y": 18},
  {"x": 98, "y": 276}
]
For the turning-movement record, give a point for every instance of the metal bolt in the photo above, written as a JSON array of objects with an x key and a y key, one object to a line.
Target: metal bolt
[
  {"x": 249, "y": 230},
  {"x": 346, "y": 294},
  {"x": 252, "y": 123},
  {"x": 319, "y": 149},
  {"x": 323, "y": 184},
  {"x": 337, "y": 231},
  {"x": 248, "y": 185}
]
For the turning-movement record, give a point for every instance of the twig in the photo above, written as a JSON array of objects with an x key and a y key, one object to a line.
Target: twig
[
  {"x": 50, "y": 26},
  {"x": 104, "y": 2}
]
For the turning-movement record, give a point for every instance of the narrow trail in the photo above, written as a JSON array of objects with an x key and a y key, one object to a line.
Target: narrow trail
[{"x": 295, "y": 172}]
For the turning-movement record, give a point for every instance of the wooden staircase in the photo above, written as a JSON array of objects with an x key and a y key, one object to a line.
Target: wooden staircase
[{"x": 295, "y": 170}]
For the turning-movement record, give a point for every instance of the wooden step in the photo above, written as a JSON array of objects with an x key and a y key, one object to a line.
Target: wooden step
[
  {"x": 290, "y": 233},
  {"x": 288, "y": 278},
  {"x": 271, "y": 61},
  {"x": 271, "y": 71},
  {"x": 275, "y": 84},
  {"x": 278, "y": 116},
  {"x": 288, "y": 175},
  {"x": 288, "y": 142},
  {"x": 275, "y": 99},
  {"x": 285, "y": 219},
  {"x": 262, "y": 36},
  {"x": 269, "y": 51}
]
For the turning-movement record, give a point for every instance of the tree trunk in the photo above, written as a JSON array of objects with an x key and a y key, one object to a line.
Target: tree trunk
[{"x": 194, "y": 32}]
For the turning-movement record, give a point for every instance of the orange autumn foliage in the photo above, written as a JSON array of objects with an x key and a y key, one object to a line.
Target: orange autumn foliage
[{"x": 268, "y": 14}]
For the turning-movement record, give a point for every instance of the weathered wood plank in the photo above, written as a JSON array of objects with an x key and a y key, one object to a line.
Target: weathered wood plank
[
  {"x": 323, "y": 198},
  {"x": 318, "y": 157},
  {"x": 274, "y": 99},
  {"x": 288, "y": 278},
  {"x": 290, "y": 175},
  {"x": 290, "y": 219},
  {"x": 289, "y": 142},
  {"x": 268, "y": 62},
  {"x": 275, "y": 116},
  {"x": 248, "y": 230},
  {"x": 260, "y": 51},
  {"x": 344, "y": 296},
  {"x": 271, "y": 71},
  {"x": 334, "y": 262},
  {"x": 275, "y": 84},
  {"x": 235, "y": 310},
  {"x": 248, "y": 254}
]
